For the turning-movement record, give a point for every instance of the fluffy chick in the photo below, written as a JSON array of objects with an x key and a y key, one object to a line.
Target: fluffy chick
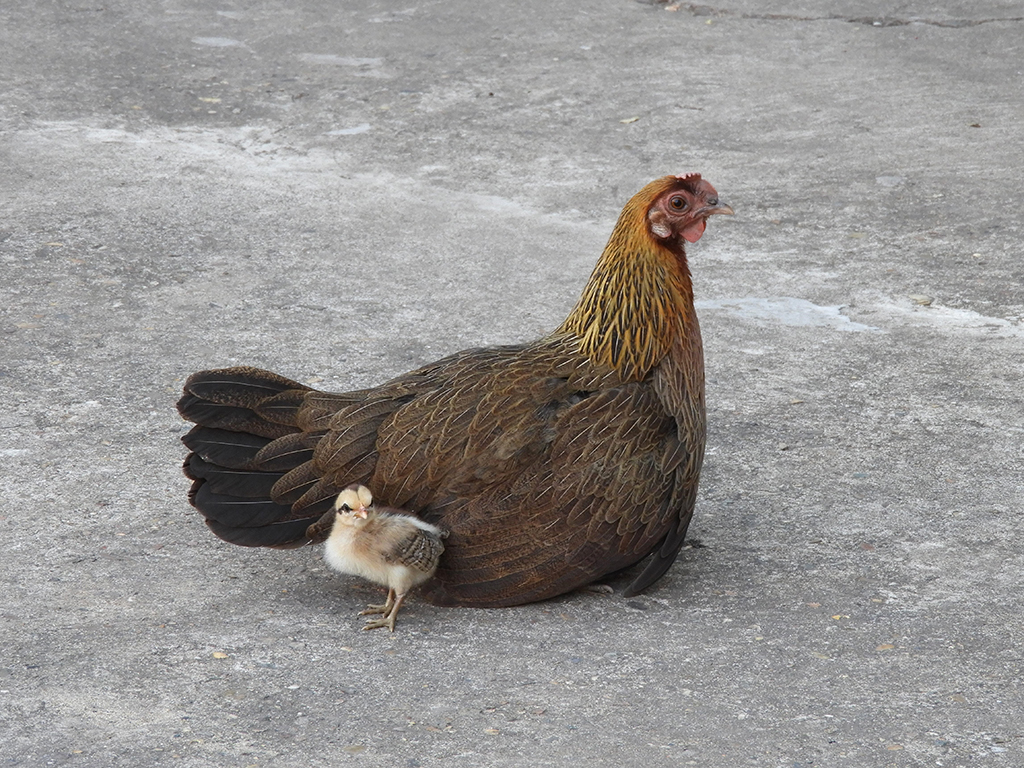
[{"x": 384, "y": 546}]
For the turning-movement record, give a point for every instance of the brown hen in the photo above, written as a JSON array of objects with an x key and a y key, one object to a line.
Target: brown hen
[{"x": 551, "y": 464}]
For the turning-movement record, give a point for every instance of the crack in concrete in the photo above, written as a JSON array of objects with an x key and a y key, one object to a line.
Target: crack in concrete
[{"x": 872, "y": 21}]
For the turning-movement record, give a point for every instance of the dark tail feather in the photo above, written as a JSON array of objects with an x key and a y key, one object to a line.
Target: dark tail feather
[
  {"x": 282, "y": 535},
  {"x": 283, "y": 408},
  {"x": 238, "y": 512},
  {"x": 662, "y": 557},
  {"x": 245, "y": 386},
  {"x": 235, "y": 461},
  {"x": 243, "y": 483},
  {"x": 236, "y": 450},
  {"x": 231, "y": 417},
  {"x": 243, "y": 400},
  {"x": 288, "y": 452},
  {"x": 295, "y": 483}
]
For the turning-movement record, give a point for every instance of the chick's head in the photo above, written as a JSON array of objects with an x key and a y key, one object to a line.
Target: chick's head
[{"x": 354, "y": 504}]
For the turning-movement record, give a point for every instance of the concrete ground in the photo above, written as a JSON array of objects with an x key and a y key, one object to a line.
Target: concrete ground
[{"x": 339, "y": 191}]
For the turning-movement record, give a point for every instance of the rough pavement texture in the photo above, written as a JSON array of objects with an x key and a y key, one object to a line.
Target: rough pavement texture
[{"x": 341, "y": 191}]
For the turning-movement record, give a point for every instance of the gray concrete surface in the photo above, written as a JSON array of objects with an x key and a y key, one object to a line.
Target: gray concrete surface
[{"x": 339, "y": 191}]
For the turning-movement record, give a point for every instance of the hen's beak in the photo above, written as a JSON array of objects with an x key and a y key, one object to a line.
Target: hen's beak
[{"x": 718, "y": 208}]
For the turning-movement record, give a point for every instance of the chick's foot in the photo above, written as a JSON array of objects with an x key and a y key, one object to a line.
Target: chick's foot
[{"x": 384, "y": 621}]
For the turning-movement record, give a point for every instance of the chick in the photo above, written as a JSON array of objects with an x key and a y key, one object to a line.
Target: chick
[{"x": 382, "y": 545}]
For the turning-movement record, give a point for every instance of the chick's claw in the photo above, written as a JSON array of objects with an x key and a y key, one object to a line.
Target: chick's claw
[
  {"x": 384, "y": 621},
  {"x": 385, "y": 608},
  {"x": 390, "y": 611}
]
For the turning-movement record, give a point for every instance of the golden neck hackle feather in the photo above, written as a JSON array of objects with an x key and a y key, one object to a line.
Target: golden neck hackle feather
[{"x": 639, "y": 298}]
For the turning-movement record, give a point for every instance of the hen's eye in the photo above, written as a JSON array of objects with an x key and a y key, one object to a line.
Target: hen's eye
[
  {"x": 712, "y": 201},
  {"x": 677, "y": 203}
]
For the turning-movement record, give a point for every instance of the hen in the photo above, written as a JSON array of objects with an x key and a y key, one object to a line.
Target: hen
[{"x": 551, "y": 463}]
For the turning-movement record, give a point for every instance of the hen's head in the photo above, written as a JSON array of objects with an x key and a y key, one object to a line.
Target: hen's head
[
  {"x": 680, "y": 208},
  {"x": 639, "y": 299},
  {"x": 353, "y": 504}
]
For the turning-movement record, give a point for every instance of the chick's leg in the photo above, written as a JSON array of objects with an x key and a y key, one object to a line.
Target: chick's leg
[
  {"x": 388, "y": 619},
  {"x": 385, "y": 609}
]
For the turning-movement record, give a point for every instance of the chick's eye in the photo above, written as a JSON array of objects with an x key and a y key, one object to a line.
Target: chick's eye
[
  {"x": 677, "y": 203},
  {"x": 345, "y": 508}
]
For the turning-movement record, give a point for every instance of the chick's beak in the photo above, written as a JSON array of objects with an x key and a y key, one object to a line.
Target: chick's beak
[{"x": 361, "y": 512}]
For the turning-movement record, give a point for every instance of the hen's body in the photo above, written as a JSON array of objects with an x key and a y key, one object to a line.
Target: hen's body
[{"x": 551, "y": 464}]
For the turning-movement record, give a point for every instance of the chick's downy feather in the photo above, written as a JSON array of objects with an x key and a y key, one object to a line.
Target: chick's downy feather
[{"x": 396, "y": 550}]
